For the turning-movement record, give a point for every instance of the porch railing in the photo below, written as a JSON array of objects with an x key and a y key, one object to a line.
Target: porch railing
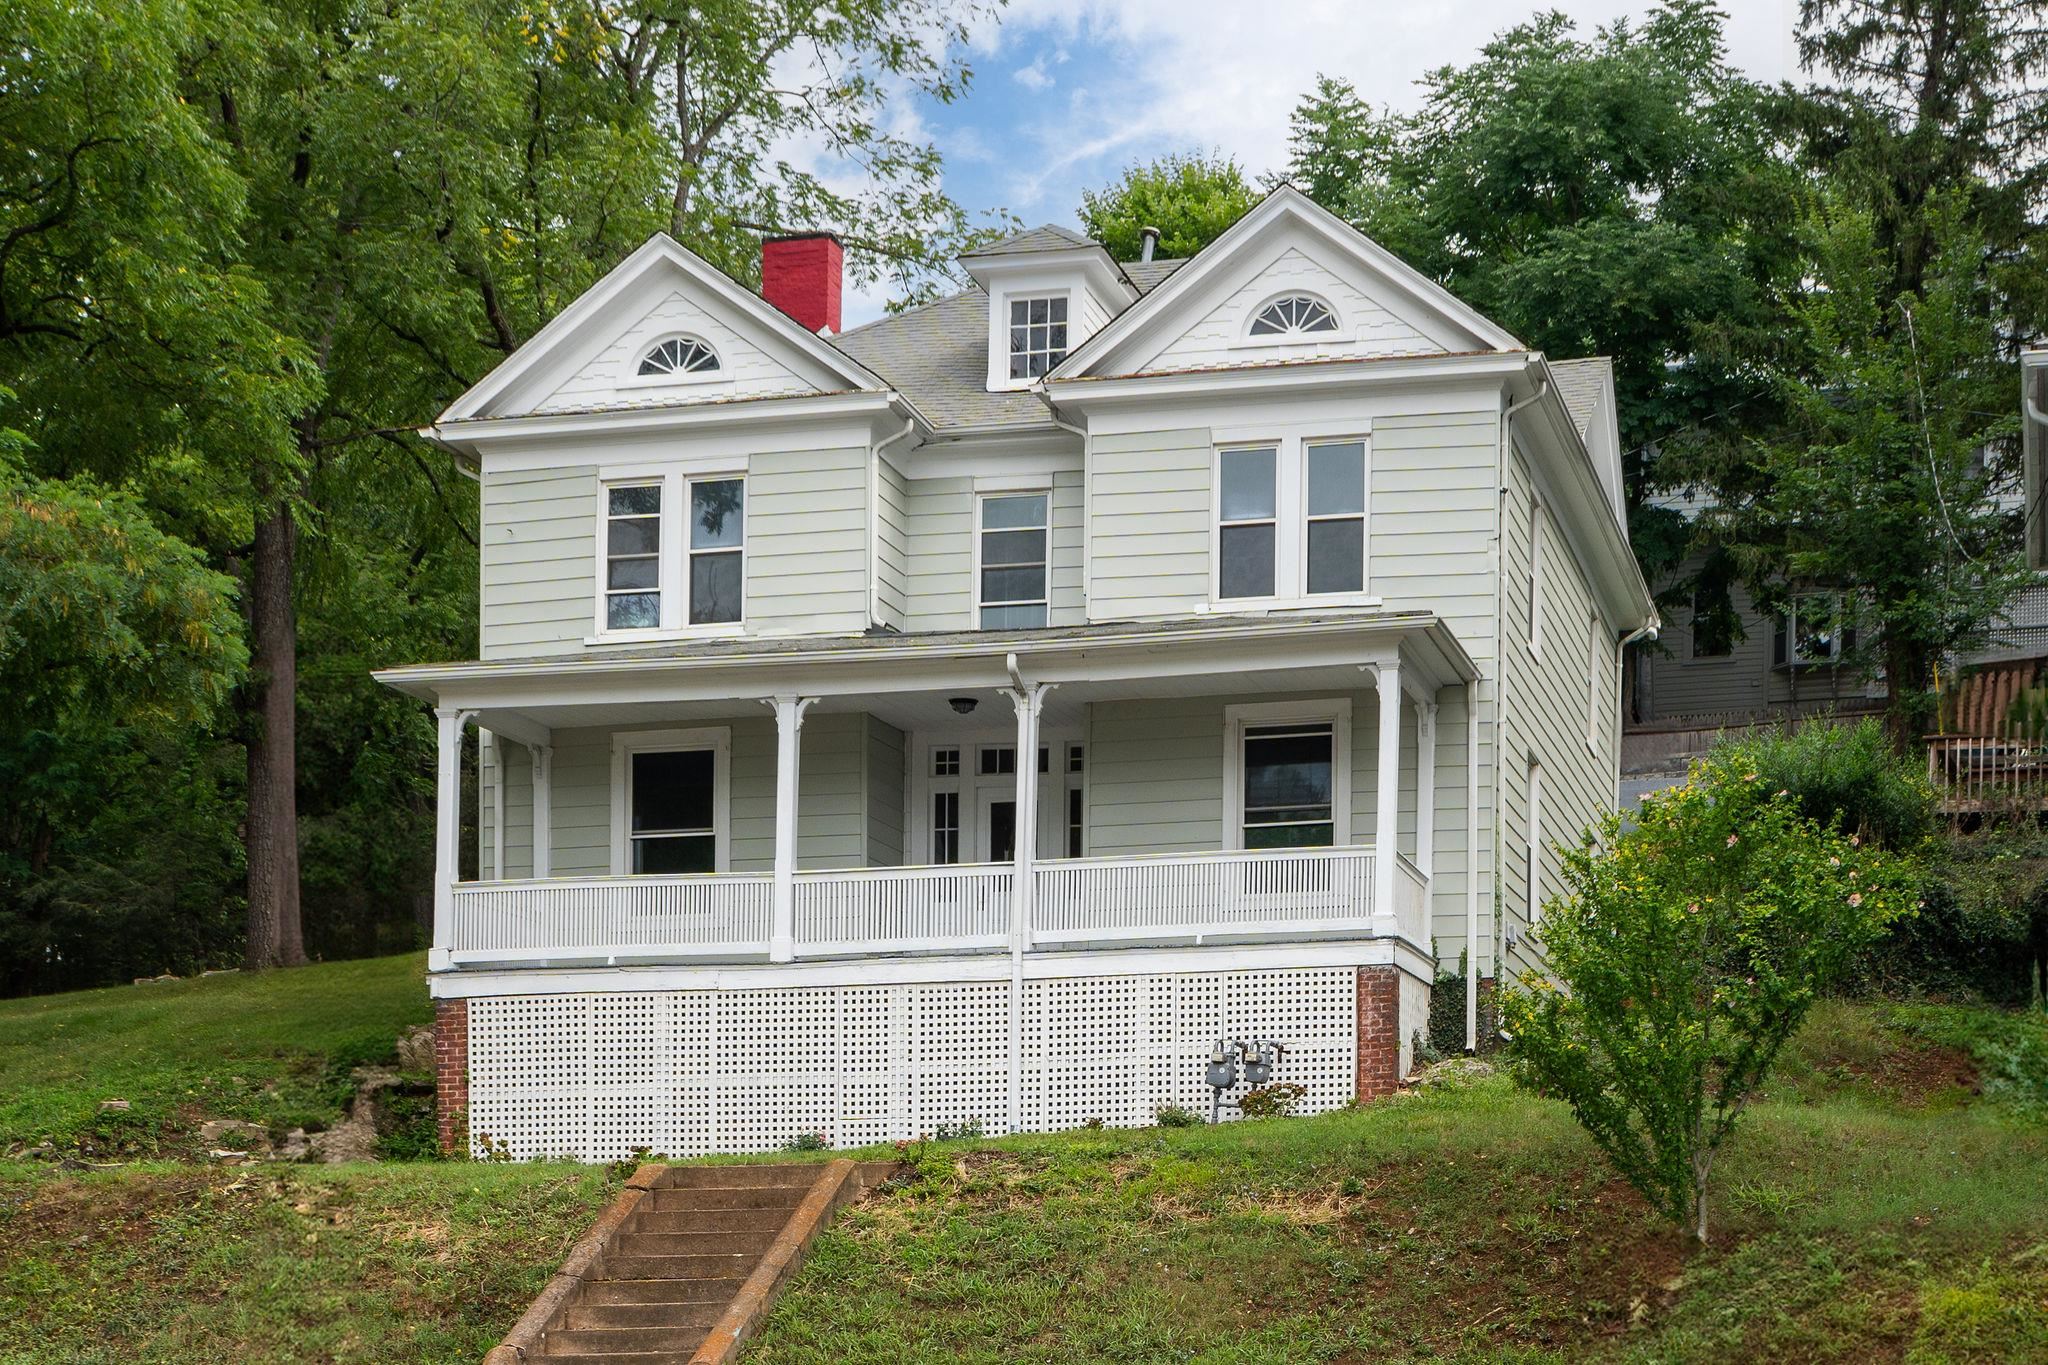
[
  {"x": 1178, "y": 895},
  {"x": 1164, "y": 898}
]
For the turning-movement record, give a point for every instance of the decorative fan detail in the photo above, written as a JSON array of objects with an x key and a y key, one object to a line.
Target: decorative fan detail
[
  {"x": 1294, "y": 314},
  {"x": 679, "y": 355}
]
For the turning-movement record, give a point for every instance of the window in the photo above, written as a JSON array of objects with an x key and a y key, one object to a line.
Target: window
[
  {"x": 1290, "y": 785},
  {"x": 1077, "y": 820},
  {"x": 1038, "y": 335},
  {"x": 1596, "y": 678},
  {"x": 632, "y": 572},
  {"x": 1000, "y": 760},
  {"x": 1535, "y": 872},
  {"x": 1246, "y": 534},
  {"x": 1535, "y": 576},
  {"x": 718, "y": 513},
  {"x": 1294, "y": 315},
  {"x": 1012, "y": 545},
  {"x": 1336, "y": 517},
  {"x": 945, "y": 763},
  {"x": 1811, "y": 634},
  {"x": 672, "y": 796},
  {"x": 677, "y": 356},
  {"x": 1711, "y": 626},
  {"x": 1290, "y": 519},
  {"x": 946, "y": 827},
  {"x": 653, "y": 579}
]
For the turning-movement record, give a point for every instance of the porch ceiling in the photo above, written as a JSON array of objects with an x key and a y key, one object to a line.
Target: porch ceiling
[{"x": 909, "y": 680}]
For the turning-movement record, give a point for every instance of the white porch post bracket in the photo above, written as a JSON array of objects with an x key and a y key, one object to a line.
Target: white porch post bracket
[
  {"x": 543, "y": 756},
  {"x": 1386, "y": 675},
  {"x": 1425, "y": 790},
  {"x": 789, "y": 724},
  {"x": 447, "y": 833}
]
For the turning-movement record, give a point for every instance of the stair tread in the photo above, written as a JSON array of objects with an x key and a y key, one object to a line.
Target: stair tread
[
  {"x": 572, "y": 1341},
  {"x": 710, "y": 1220},
  {"x": 702, "y": 1313}
]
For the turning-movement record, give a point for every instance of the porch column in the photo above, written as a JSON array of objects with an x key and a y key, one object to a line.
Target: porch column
[
  {"x": 447, "y": 833},
  {"x": 789, "y": 724},
  {"x": 1425, "y": 789},
  {"x": 543, "y": 757},
  {"x": 491, "y": 754},
  {"x": 1027, "y": 699},
  {"x": 1387, "y": 826}
]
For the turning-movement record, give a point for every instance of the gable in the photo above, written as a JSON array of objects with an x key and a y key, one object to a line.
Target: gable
[
  {"x": 1200, "y": 316},
  {"x": 608, "y": 378},
  {"x": 588, "y": 356},
  {"x": 1366, "y": 326}
]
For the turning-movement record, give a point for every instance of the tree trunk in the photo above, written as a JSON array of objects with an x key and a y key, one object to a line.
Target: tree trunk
[{"x": 275, "y": 935}]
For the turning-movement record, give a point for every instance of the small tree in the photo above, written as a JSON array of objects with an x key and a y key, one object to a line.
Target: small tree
[{"x": 1686, "y": 953}]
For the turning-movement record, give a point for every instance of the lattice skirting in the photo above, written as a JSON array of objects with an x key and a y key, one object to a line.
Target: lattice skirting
[{"x": 597, "y": 1077}]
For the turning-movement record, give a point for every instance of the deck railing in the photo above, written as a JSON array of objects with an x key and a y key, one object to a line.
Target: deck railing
[{"x": 1161, "y": 898}]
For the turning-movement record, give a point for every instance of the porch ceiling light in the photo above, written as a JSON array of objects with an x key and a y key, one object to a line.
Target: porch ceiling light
[{"x": 964, "y": 705}]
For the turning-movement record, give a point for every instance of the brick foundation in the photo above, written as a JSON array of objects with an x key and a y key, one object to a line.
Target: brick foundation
[
  {"x": 451, "y": 1075},
  {"x": 1379, "y": 1032}
]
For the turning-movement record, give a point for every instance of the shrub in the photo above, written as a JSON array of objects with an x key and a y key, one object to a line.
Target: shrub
[
  {"x": 1846, "y": 777},
  {"x": 1174, "y": 1116},
  {"x": 1275, "y": 1101},
  {"x": 1684, "y": 956},
  {"x": 807, "y": 1142}
]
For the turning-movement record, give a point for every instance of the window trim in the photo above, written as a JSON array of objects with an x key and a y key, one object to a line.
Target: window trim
[
  {"x": 1599, "y": 678},
  {"x": 1789, "y": 623},
  {"x": 999, "y": 333},
  {"x": 1334, "y": 711},
  {"x": 626, "y": 743},
  {"x": 631, "y": 378},
  {"x": 981, "y": 498},
  {"x": 673, "y": 577},
  {"x": 1536, "y": 539},
  {"x": 1338, "y": 334},
  {"x": 1290, "y": 520},
  {"x": 1533, "y": 820}
]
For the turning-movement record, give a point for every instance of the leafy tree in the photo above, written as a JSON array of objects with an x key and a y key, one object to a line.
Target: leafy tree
[
  {"x": 1189, "y": 197},
  {"x": 1883, "y": 484},
  {"x": 1339, "y": 149},
  {"x": 1685, "y": 954}
]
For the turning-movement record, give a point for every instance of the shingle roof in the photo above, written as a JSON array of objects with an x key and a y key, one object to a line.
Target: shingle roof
[
  {"x": 1046, "y": 237},
  {"x": 1580, "y": 383},
  {"x": 937, "y": 355}
]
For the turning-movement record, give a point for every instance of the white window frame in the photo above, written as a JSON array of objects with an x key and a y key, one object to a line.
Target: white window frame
[
  {"x": 1840, "y": 611},
  {"x": 717, "y": 739},
  {"x": 1536, "y": 575},
  {"x": 1291, "y": 517},
  {"x": 981, "y": 498},
  {"x": 1334, "y": 711},
  {"x": 970, "y": 738},
  {"x": 1338, "y": 336},
  {"x": 999, "y": 360},
  {"x": 674, "y": 575},
  {"x": 631, "y": 378}
]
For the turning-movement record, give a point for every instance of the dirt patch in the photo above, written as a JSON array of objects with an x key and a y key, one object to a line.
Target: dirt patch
[{"x": 1916, "y": 1074}]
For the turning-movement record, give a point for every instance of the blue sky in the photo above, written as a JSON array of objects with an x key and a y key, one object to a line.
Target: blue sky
[{"x": 1066, "y": 93}]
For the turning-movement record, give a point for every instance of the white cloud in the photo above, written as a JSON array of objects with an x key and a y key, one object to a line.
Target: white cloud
[{"x": 1034, "y": 76}]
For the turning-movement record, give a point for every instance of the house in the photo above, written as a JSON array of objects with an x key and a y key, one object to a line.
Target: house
[{"x": 976, "y": 715}]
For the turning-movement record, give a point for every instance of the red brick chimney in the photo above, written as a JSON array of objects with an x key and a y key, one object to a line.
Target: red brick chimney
[{"x": 800, "y": 275}]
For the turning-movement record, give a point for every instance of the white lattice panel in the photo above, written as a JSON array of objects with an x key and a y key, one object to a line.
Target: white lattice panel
[{"x": 601, "y": 1076}]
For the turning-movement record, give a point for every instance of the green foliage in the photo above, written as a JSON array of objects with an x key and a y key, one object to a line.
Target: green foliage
[
  {"x": 808, "y": 1142},
  {"x": 1275, "y": 1101},
  {"x": 1191, "y": 198},
  {"x": 1447, "y": 1014},
  {"x": 1884, "y": 481},
  {"x": 1846, "y": 776},
  {"x": 1176, "y": 1116},
  {"x": 1687, "y": 952},
  {"x": 2010, "y": 1048},
  {"x": 1983, "y": 928}
]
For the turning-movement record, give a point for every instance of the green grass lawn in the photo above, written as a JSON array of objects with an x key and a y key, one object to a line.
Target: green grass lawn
[
  {"x": 1887, "y": 1200},
  {"x": 275, "y": 1048}
]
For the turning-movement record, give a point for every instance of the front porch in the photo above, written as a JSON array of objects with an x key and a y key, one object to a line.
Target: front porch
[{"x": 1216, "y": 783}]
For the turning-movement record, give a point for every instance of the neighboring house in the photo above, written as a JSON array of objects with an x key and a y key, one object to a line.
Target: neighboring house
[{"x": 975, "y": 715}]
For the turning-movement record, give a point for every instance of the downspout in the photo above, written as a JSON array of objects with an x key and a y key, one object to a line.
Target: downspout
[
  {"x": 1472, "y": 867},
  {"x": 1500, "y": 714},
  {"x": 875, "y": 521}
]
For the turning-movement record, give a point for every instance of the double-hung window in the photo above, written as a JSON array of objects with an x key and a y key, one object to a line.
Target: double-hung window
[
  {"x": 669, "y": 801},
  {"x": 1290, "y": 519},
  {"x": 1290, "y": 785},
  {"x": 658, "y": 575},
  {"x": 1011, "y": 546}
]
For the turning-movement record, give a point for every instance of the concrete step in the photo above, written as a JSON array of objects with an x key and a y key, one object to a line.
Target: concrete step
[
  {"x": 784, "y": 1197},
  {"x": 700, "y": 1314},
  {"x": 741, "y": 1177},
  {"x": 712, "y": 1289},
  {"x": 630, "y": 1357},
  {"x": 611, "y": 1343},
  {"x": 699, "y": 1267},
  {"x": 692, "y": 1243},
  {"x": 768, "y": 1220}
]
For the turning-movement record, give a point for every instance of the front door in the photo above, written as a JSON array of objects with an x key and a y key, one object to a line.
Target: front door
[{"x": 996, "y": 829}]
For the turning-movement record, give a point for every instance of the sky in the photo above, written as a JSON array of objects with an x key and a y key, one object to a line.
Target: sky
[{"x": 1066, "y": 93}]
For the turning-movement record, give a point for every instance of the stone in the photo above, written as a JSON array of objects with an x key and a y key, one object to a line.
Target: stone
[
  {"x": 416, "y": 1050},
  {"x": 223, "y": 1133},
  {"x": 115, "y": 1106}
]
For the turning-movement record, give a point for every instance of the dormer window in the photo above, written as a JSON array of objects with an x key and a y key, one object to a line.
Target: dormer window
[
  {"x": 678, "y": 356},
  {"x": 1294, "y": 315},
  {"x": 1038, "y": 335}
]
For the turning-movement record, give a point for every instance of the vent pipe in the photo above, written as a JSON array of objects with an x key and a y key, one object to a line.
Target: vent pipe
[{"x": 1148, "y": 238}]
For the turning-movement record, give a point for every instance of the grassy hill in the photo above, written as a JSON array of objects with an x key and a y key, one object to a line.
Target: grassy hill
[{"x": 1888, "y": 1200}]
